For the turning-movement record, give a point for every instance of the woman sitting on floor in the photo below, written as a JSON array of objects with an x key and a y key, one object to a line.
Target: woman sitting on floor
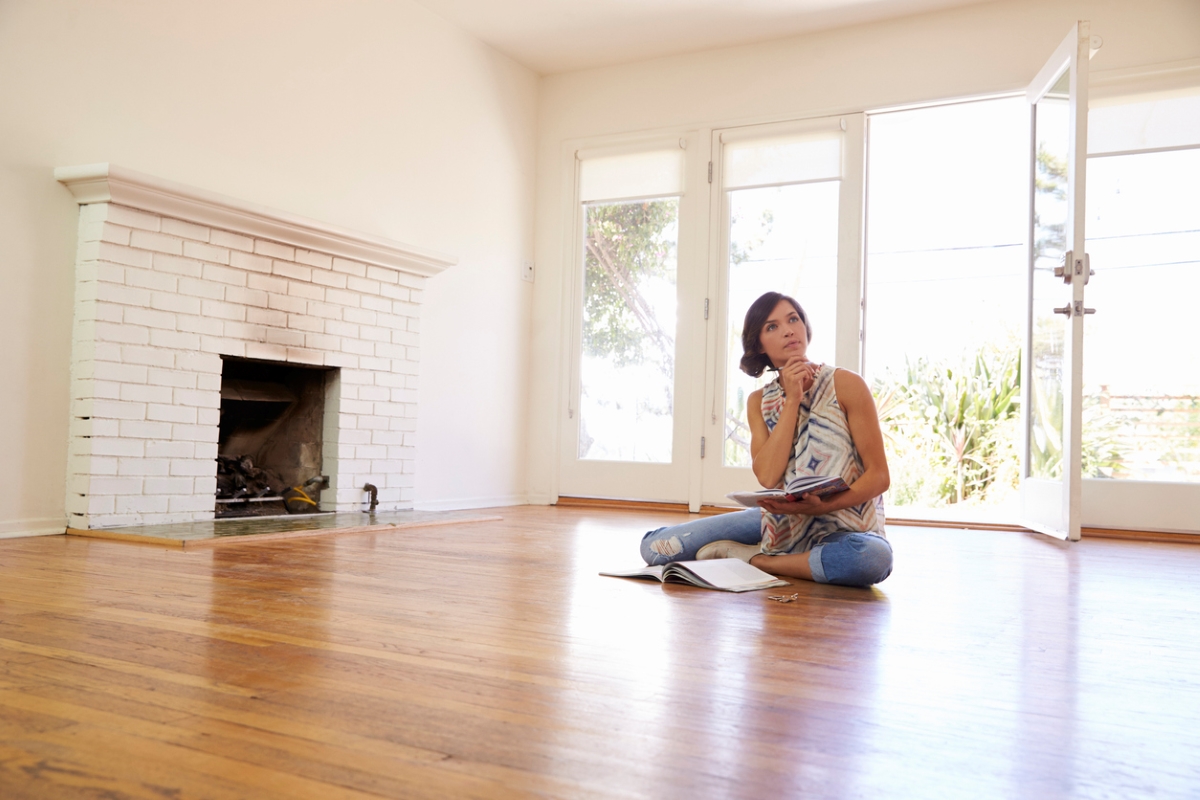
[{"x": 812, "y": 419}]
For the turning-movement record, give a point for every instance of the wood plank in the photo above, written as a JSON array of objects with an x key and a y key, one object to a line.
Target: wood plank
[{"x": 491, "y": 660}]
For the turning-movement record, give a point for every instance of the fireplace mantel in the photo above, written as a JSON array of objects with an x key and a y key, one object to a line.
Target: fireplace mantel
[{"x": 111, "y": 183}]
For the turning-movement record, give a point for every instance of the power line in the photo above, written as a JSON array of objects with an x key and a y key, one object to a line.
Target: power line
[
  {"x": 944, "y": 249},
  {"x": 1136, "y": 235}
]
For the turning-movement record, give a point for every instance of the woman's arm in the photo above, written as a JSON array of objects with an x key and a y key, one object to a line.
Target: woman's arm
[
  {"x": 855, "y": 399},
  {"x": 770, "y": 450}
]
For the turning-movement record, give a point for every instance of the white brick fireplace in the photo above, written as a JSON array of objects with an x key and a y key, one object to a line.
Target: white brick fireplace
[{"x": 168, "y": 280}]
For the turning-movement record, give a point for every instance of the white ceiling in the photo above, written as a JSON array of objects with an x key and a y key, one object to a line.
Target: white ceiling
[{"x": 562, "y": 35}]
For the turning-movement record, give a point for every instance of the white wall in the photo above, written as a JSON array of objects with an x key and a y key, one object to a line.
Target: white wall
[
  {"x": 968, "y": 51},
  {"x": 376, "y": 115}
]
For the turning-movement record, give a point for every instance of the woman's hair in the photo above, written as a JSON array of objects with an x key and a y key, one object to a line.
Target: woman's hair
[{"x": 754, "y": 360}]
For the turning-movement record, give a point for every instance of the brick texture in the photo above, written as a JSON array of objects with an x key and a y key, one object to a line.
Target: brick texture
[{"x": 159, "y": 301}]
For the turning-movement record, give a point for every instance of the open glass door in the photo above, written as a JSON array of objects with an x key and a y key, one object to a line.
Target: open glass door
[{"x": 1058, "y": 273}]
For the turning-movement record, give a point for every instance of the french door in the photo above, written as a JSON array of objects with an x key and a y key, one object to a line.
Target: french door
[
  {"x": 1059, "y": 271},
  {"x": 786, "y": 216},
  {"x": 627, "y": 431}
]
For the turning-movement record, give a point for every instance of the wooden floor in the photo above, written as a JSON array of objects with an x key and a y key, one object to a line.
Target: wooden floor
[{"x": 491, "y": 661}]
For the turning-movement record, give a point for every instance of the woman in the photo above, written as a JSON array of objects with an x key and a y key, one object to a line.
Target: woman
[{"x": 811, "y": 420}]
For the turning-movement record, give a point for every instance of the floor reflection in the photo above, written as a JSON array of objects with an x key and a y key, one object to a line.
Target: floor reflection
[
  {"x": 265, "y": 603},
  {"x": 684, "y": 664}
]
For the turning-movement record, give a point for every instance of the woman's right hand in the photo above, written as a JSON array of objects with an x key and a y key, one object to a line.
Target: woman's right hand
[{"x": 797, "y": 377}]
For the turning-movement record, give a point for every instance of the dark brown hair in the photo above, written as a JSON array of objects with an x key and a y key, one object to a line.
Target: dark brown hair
[{"x": 754, "y": 360}]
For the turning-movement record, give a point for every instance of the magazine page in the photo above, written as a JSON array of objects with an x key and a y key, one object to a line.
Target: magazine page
[{"x": 731, "y": 574}]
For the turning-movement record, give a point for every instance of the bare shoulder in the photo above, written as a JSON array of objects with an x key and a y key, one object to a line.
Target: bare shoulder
[
  {"x": 850, "y": 387},
  {"x": 755, "y": 400}
]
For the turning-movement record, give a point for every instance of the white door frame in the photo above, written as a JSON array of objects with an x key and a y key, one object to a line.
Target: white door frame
[{"x": 1048, "y": 506}]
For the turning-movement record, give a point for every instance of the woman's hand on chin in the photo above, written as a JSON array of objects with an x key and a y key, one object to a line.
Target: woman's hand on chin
[
  {"x": 797, "y": 376},
  {"x": 808, "y": 505}
]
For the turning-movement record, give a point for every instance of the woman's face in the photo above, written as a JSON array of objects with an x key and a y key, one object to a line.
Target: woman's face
[{"x": 784, "y": 335}]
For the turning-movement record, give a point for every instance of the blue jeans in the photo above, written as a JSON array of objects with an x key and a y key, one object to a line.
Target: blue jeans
[{"x": 845, "y": 558}]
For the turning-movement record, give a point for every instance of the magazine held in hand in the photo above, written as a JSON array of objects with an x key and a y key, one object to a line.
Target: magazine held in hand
[
  {"x": 820, "y": 485},
  {"x": 722, "y": 574}
]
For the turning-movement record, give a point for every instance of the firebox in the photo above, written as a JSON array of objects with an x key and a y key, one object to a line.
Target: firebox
[{"x": 269, "y": 448}]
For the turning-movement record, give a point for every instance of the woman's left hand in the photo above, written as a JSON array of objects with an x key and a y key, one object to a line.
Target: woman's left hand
[{"x": 809, "y": 505}]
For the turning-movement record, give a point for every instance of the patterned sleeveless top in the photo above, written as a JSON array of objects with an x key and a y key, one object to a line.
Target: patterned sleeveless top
[{"x": 822, "y": 446}]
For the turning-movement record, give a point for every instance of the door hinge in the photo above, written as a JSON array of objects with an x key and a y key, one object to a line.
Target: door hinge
[
  {"x": 706, "y": 308},
  {"x": 702, "y": 447},
  {"x": 710, "y": 172}
]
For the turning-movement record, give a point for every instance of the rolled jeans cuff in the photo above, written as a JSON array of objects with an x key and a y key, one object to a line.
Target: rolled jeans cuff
[{"x": 814, "y": 564}]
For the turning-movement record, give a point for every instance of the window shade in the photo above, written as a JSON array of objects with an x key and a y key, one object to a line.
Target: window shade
[
  {"x": 653, "y": 174},
  {"x": 782, "y": 159},
  {"x": 1144, "y": 125}
]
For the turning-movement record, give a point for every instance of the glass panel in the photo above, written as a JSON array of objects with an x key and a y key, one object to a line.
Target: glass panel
[
  {"x": 786, "y": 159},
  {"x": 781, "y": 239},
  {"x": 1051, "y": 132},
  {"x": 627, "y": 370},
  {"x": 631, "y": 175},
  {"x": 945, "y": 281},
  {"x": 1142, "y": 370}
]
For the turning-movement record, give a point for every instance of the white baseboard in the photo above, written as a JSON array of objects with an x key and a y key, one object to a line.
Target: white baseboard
[
  {"x": 465, "y": 503},
  {"x": 17, "y": 528},
  {"x": 542, "y": 499}
]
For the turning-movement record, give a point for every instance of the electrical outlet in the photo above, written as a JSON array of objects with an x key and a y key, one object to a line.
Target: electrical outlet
[{"x": 527, "y": 271}]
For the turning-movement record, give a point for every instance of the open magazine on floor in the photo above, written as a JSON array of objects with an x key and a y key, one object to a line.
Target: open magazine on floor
[
  {"x": 722, "y": 574},
  {"x": 820, "y": 485}
]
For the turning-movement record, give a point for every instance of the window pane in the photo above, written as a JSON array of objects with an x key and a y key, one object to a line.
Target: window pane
[
  {"x": 1049, "y": 246},
  {"x": 627, "y": 370},
  {"x": 781, "y": 239},
  {"x": 1141, "y": 353}
]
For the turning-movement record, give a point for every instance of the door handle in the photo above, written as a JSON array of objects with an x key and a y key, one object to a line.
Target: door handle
[{"x": 1075, "y": 309}]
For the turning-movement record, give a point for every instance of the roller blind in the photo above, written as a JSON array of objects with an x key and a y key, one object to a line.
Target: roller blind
[
  {"x": 792, "y": 158},
  {"x": 649, "y": 174},
  {"x": 1144, "y": 124}
]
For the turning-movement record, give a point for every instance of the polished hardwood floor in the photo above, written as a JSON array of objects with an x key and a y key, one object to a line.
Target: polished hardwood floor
[{"x": 490, "y": 660}]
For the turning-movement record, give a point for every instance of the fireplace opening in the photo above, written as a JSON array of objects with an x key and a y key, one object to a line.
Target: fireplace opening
[{"x": 269, "y": 446}]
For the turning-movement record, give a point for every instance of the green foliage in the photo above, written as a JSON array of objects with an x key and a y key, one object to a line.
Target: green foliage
[
  {"x": 953, "y": 431},
  {"x": 950, "y": 428},
  {"x": 1102, "y": 454},
  {"x": 626, "y": 244},
  {"x": 1185, "y": 443}
]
